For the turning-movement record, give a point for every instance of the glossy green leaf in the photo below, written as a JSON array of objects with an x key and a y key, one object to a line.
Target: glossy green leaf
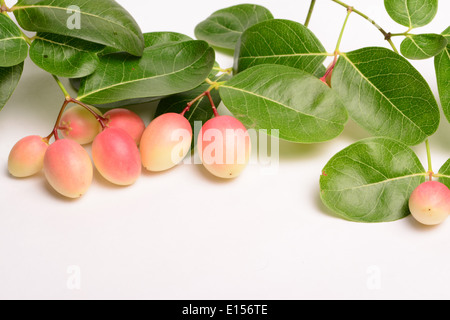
[
  {"x": 320, "y": 72},
  {"x": 76, "y": 83},
  {"x": 446, "y": 35},
  {"x": 13, "y": 47},
  {"x": 99, "y": 21},
  {"x": 162, "y": 70},
  {"x": 153, "y": 39},
  {"x": 9, "y": 78},
  {"x": 386, "y": 95},
  {"x": 442, "y": 66},
  {"x": 281, "y": 42},
  {"x": 371, "y": 180},
  {"x": 65, "y": 56},
  {"x": 412, "y": 13},
  {"x": 423, "y": 46},
  {"x": 299, "y": 105},
  {"x": 224, "y": 27},
  {"x": 444, "y": 174}
]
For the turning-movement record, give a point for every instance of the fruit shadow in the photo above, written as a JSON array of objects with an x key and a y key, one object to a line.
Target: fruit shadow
[
  {"x": 297, "y": 151},
  {"x": 151, "y": 174},
  {"x": 41, "y": 178},
  {"x": 418, "y": 227}
]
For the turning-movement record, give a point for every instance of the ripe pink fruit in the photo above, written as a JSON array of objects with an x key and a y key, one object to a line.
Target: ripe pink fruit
[
  {"x": 430, "y": 203},
  {"x": 27, "y": 157},
  {"x": 80, "y": 125},
  {"x": 117, "y": 157},
  {"x": 165, "y": 142},
  {"x": 224, "y": 146},
  {"x": 126, "y": 120},
  {"x": 68, "y": 168}
]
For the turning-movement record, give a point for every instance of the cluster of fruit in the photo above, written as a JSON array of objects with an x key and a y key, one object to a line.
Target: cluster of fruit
[{"x": 122, "y": 145}]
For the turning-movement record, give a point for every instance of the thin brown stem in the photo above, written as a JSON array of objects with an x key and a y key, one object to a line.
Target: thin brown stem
[
  {"x": 58, "y": 120},
  {"x": 208, "y": 94},
  {"x": 103, "y": 121},
  {"x": 190, "y": 104},
  {"x": 213, "y": 85},
  {"x": 387, "y": 35}
]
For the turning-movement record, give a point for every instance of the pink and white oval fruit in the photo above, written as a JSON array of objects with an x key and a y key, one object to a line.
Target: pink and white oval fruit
[
  {"x": 79, "y": 125},
  {"x": 126, "y": 120},
  {"x": 27, "y": 157},
  {"x": 224, "y": 146},
  {"x": 68, "y": 168},
  {"x": 117, "y": 157},
  {"x": 430, "y": 203},
  {"x": 166, "y": 142}
]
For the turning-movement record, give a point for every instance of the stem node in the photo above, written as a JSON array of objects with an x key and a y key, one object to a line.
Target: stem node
[{"x": 388, "y": 36}]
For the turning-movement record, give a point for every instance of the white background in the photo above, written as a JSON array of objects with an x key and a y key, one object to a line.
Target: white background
[{"x": 183, "y": 234}]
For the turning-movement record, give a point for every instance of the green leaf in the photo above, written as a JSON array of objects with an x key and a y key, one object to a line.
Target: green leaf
[
  {"x": 13, "y": 46},
  {"x": 9, "y": 78},
  {"x": 446, "y": 35},
  {"x": 224, "y": 27},
  {"x": 444, "y": 174},
  {"x": 99, "y": 21},
  {"x": 442, "y": 66},
  {"x": 153, "y": 39},
  {"x": 423, "y": 46},
  {"x": 300, "y": 106},
  {"x": 371, "y": 180},
  {"x": 65, "y": 56},
  {"x": 161, "y": 71},
  {"x": 320, "y": 72},
  {"x": 412, "y": 13},
  {"x": 281, "y": 42},
  {"x": 386, "y": 95}
]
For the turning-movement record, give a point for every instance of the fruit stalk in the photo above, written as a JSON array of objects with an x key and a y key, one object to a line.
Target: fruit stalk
[
  {"x": 61, "y": 86},
  {"x": 338, "y": 45},
  {"x": 310, "y": 12},
  {"x": 58, "y": 120},
  {"x": 99, "y": 118},
  {"x": 208, "y": 94},
  {"x": 387, "y": 35},
  {"x": 430, "y": 165}
]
